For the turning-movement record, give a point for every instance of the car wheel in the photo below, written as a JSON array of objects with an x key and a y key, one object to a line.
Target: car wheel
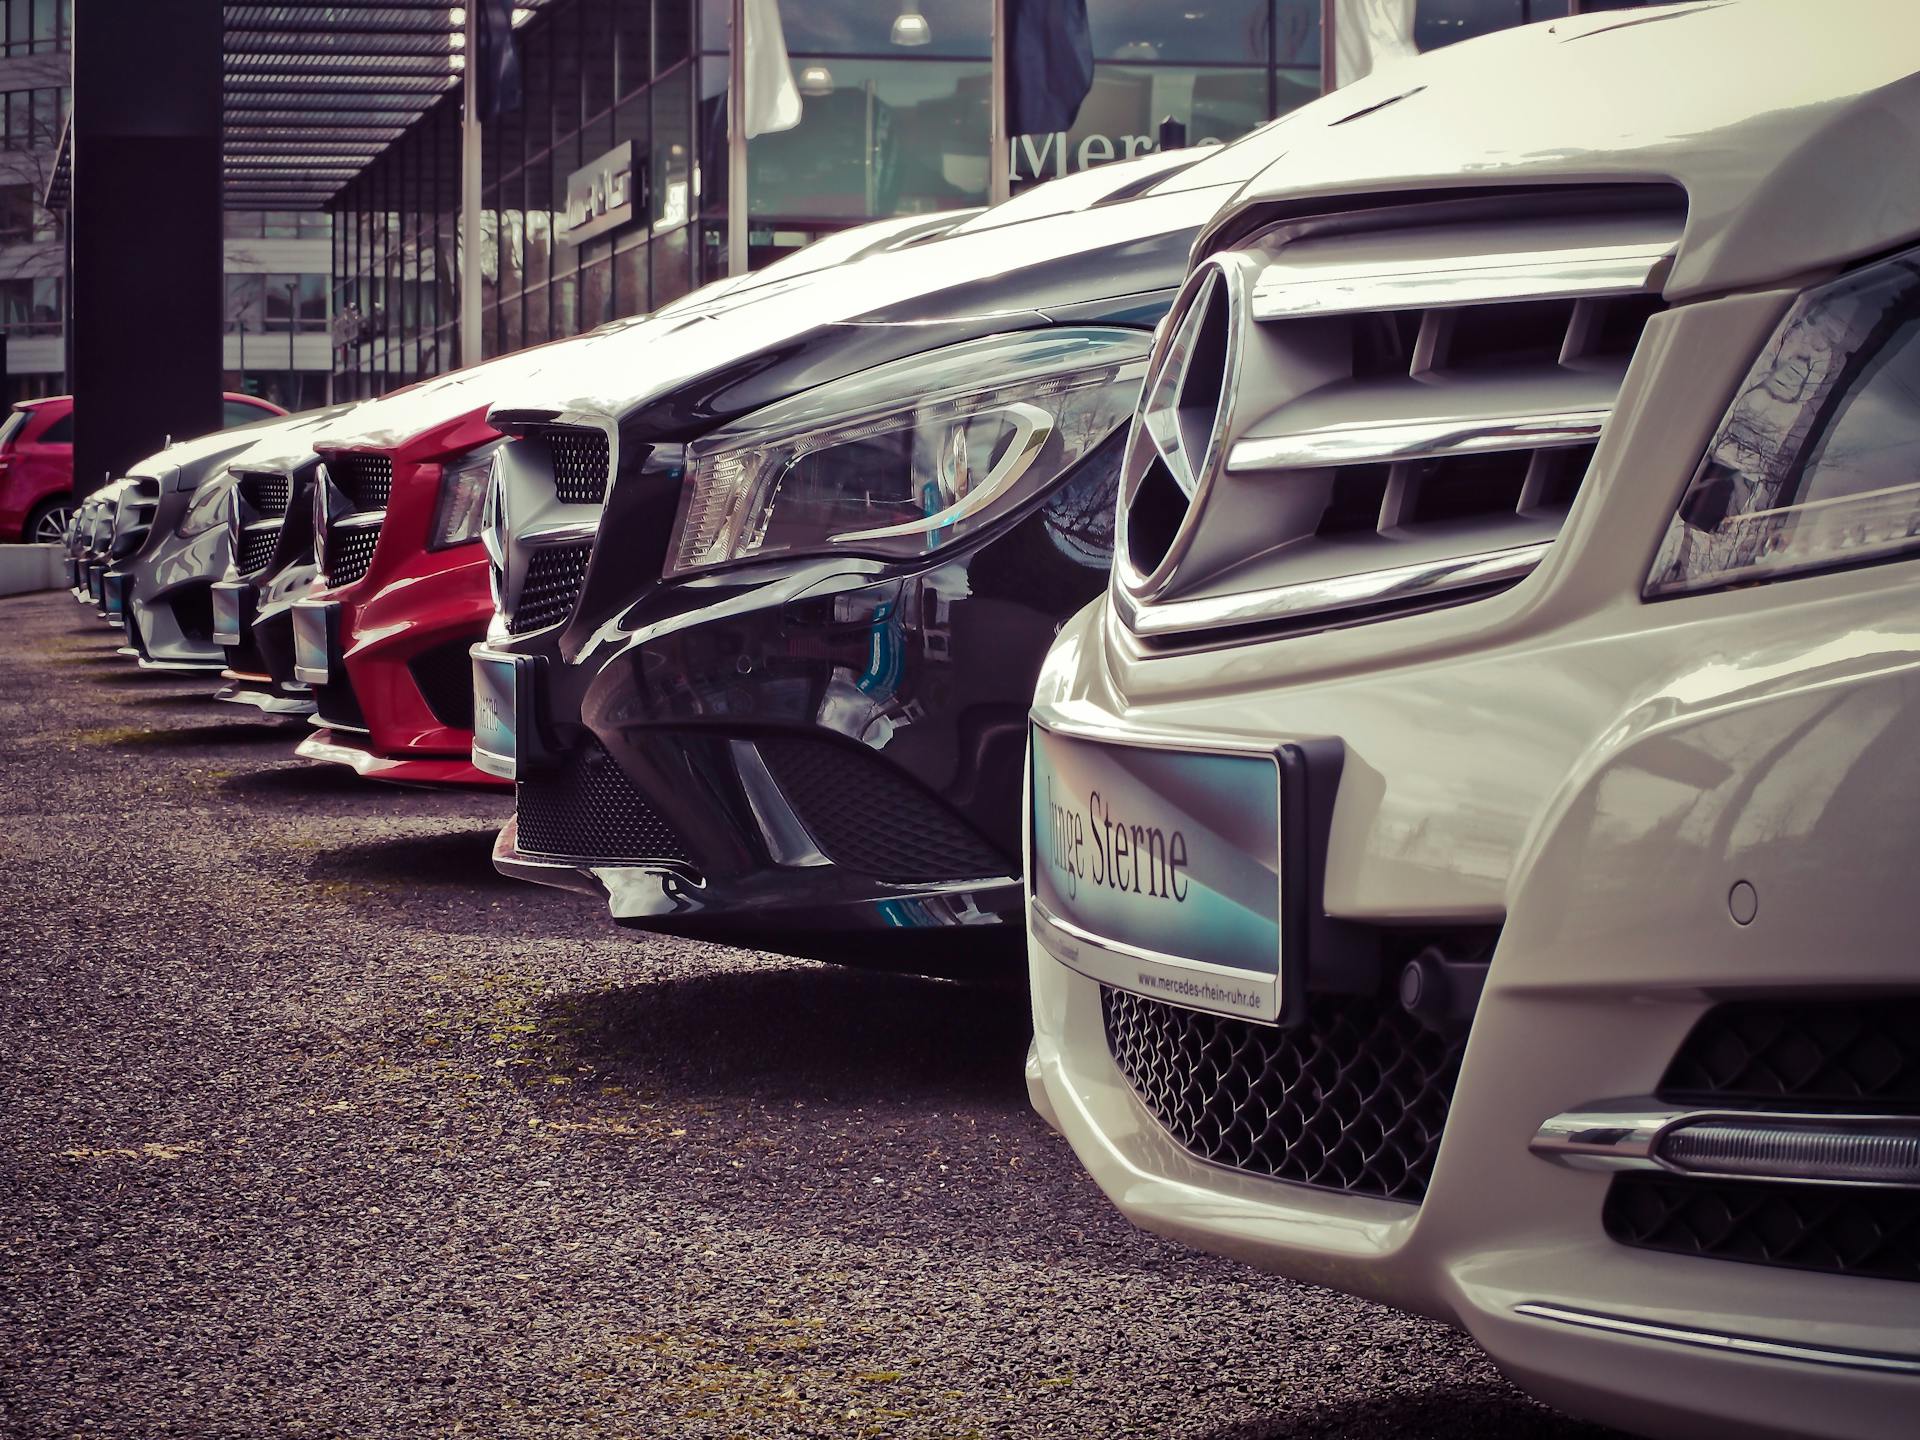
[{"x": 47, "y": 525}]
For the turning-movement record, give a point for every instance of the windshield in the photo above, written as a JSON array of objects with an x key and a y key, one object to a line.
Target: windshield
[{"x": 11, "y": 428}]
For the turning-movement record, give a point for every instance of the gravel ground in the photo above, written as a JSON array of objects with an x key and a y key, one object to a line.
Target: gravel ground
[{"x": 316, "y": 1126}]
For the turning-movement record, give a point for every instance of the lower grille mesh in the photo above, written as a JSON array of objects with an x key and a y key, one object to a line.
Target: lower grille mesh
[
  {"x": 1353, "y": 1100},
  {"x": 865, "y": 816},
  {"x": 1842, "y": 1230},
  {"x": 590, "y": 810},
  {"x": 1833, "y": 1054},
  {"x": 256, "y": 549},
  {"x": 554, "y": 577}
]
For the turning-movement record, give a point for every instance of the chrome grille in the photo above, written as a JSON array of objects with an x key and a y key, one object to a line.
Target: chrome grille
[
  {"x": 271, "y": 496},
  {"x": 365, "y": 480},
  {"x": 350, "y": 552},
  {"x": 1381, "y": 410},
  {"x": 133, "y": 516},
  {"x": 582, "y": 462},
  {"x": 1354, "y": 1099},
  {"x": 555, "y": 574}
]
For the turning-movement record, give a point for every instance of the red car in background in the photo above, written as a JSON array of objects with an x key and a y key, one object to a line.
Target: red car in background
[
  {"x": 36, "y": 462},
  {"x": 403, "y": 592}
]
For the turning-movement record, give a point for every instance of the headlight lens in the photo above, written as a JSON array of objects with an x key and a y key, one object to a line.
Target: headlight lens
[
  {"x": 1817, "y": 463},
  {"x": 209, "y": 506},
  {"x": 907, "y": 457},
  {"x": 463, "y": 497}
]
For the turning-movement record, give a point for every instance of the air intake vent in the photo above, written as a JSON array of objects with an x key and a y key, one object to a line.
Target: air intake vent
[
  {"x": 1383, "y": 411},
  {"x": 555, "y": 574},
  {"x": 590, "y": 810}
]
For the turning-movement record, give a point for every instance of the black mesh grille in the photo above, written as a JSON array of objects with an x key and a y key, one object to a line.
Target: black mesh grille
[
  {"x": 581, "y": 462},
  {"x": 365, "y": 480},
  {"x": 1841, "y": 1054},
  {"x": 256, "y": 549},
  {"x": 867, "y": 817},
  {"x": 269, "y": 495},
  {"x": 350, "y": 552},
  {"x": 445, "y": 677},
  {"x": 590, "y": 810},
  {"x": 1842, "y": 1230},
  {"x": 1353, "y": 1100},
  {"x": 554, "y": 577},
  {"x": 193, "y": 611}
]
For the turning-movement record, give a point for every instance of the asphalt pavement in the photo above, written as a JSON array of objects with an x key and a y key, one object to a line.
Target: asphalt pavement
[{"x": 313, "y": 1125}]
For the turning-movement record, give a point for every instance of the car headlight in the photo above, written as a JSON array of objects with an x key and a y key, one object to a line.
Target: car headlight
[
  {"x": 209, "y": 505},
  {"x": 463, "y": 497},
  {"x": 1817, "y": 463},
  {"x": 909, "y": 456}
]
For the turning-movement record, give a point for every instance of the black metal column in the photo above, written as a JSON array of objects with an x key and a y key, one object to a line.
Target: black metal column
[{"x": 146, "y": 304}]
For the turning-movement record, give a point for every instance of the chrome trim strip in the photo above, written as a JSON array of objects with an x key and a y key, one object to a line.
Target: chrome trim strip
[
  {"x": 1742, "y": 1345},
  {"x": 1628, "y": 1135},
  {"x": 1282, "y": 292},
  {"x": 358, "y": 520},
  {"x": 1314, "y": 597},
  {"x": 1377, "y": 444},
  {"x": 788, "y": 842}
]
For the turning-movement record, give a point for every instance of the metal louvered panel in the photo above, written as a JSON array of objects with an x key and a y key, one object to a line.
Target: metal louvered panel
[{"x": 1380, "y": 411}]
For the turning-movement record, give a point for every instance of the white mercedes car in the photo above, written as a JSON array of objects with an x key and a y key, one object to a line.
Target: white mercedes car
[{"x": 1469, "y": 846}]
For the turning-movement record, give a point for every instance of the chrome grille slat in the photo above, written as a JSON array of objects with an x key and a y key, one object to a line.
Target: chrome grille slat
[{"x": 1411, "y": 399}]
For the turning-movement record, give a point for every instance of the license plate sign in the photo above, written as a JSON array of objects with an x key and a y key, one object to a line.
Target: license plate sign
[
  {"x": 226, "y": 614},
  {"x": 495, "y": 715},
  {"x": 1159, "y": 870},
  {"x": 310, "y": 643}
]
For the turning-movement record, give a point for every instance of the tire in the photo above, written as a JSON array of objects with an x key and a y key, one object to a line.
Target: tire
[{"x": 47, "y": 521}]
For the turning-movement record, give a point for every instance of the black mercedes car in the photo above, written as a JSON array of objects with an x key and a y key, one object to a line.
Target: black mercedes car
[{"x": 774, "y": 581}]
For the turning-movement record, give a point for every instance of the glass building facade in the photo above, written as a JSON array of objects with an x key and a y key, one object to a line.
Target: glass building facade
[{"x": 894, "y": 121}]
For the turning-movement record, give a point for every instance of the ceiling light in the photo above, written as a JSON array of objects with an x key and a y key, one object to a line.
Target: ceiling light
[{"x": 910, "y": 26}]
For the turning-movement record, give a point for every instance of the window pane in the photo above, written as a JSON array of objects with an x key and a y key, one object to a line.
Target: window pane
[
  {"x": 672, "y": 149},
  {"x": 673, "y": 32},
  {"x": 1121, "y": 115},
  {"x": 630, "y": 282},
  {"x": 246, "y": 302},
  {"x": 954, "y": 28},
  {"x": 313, "y": 302},
  {"x": 891, "y": 137},
  {"x": 1193, "y": 30},
  {"x": 632, "y": 47},
  {"x": 280, "y": 224},
  {"x": 596, "y": 294}
]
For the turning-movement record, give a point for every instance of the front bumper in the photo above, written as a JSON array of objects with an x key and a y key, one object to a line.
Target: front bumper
[
  {"x": 259, "y": 669},
  {"x": 1596, "y": 784},
  {"x": 396, "y": 692}
]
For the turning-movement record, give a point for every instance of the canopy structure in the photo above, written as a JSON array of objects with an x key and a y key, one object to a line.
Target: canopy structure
[{"x": 314, "y": 91}]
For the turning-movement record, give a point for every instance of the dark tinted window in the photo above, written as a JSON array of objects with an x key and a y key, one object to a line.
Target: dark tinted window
[
  {"x": 60, "y": 432},
  {"x": 241, "y": 413}
]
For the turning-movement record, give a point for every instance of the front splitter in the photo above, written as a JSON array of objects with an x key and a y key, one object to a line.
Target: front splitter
[{"x": 435, "y": 771}]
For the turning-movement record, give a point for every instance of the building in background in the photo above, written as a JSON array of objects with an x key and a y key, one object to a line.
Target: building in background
[
  {"x": 269, "y": 257},
  {"x": 626, "y": 100}
]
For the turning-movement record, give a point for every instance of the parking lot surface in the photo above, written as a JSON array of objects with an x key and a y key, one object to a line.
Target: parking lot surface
[{"x": 316, "y": 1126}]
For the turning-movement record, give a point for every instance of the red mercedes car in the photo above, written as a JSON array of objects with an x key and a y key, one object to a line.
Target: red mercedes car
[
  {"x": 403, "y": 592},
  {"x": 36, "y": 462}
]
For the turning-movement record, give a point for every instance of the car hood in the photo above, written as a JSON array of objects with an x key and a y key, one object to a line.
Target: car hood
[
  {"x": 1793, "y": 129},
  {"x": 786, "y": 337},
  {"x": 184, "y": 465}
]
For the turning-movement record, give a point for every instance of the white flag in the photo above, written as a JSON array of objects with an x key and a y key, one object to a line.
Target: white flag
[
  {"x": 773, "y": 101},
  {"x": 1368, "y": 35}
]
